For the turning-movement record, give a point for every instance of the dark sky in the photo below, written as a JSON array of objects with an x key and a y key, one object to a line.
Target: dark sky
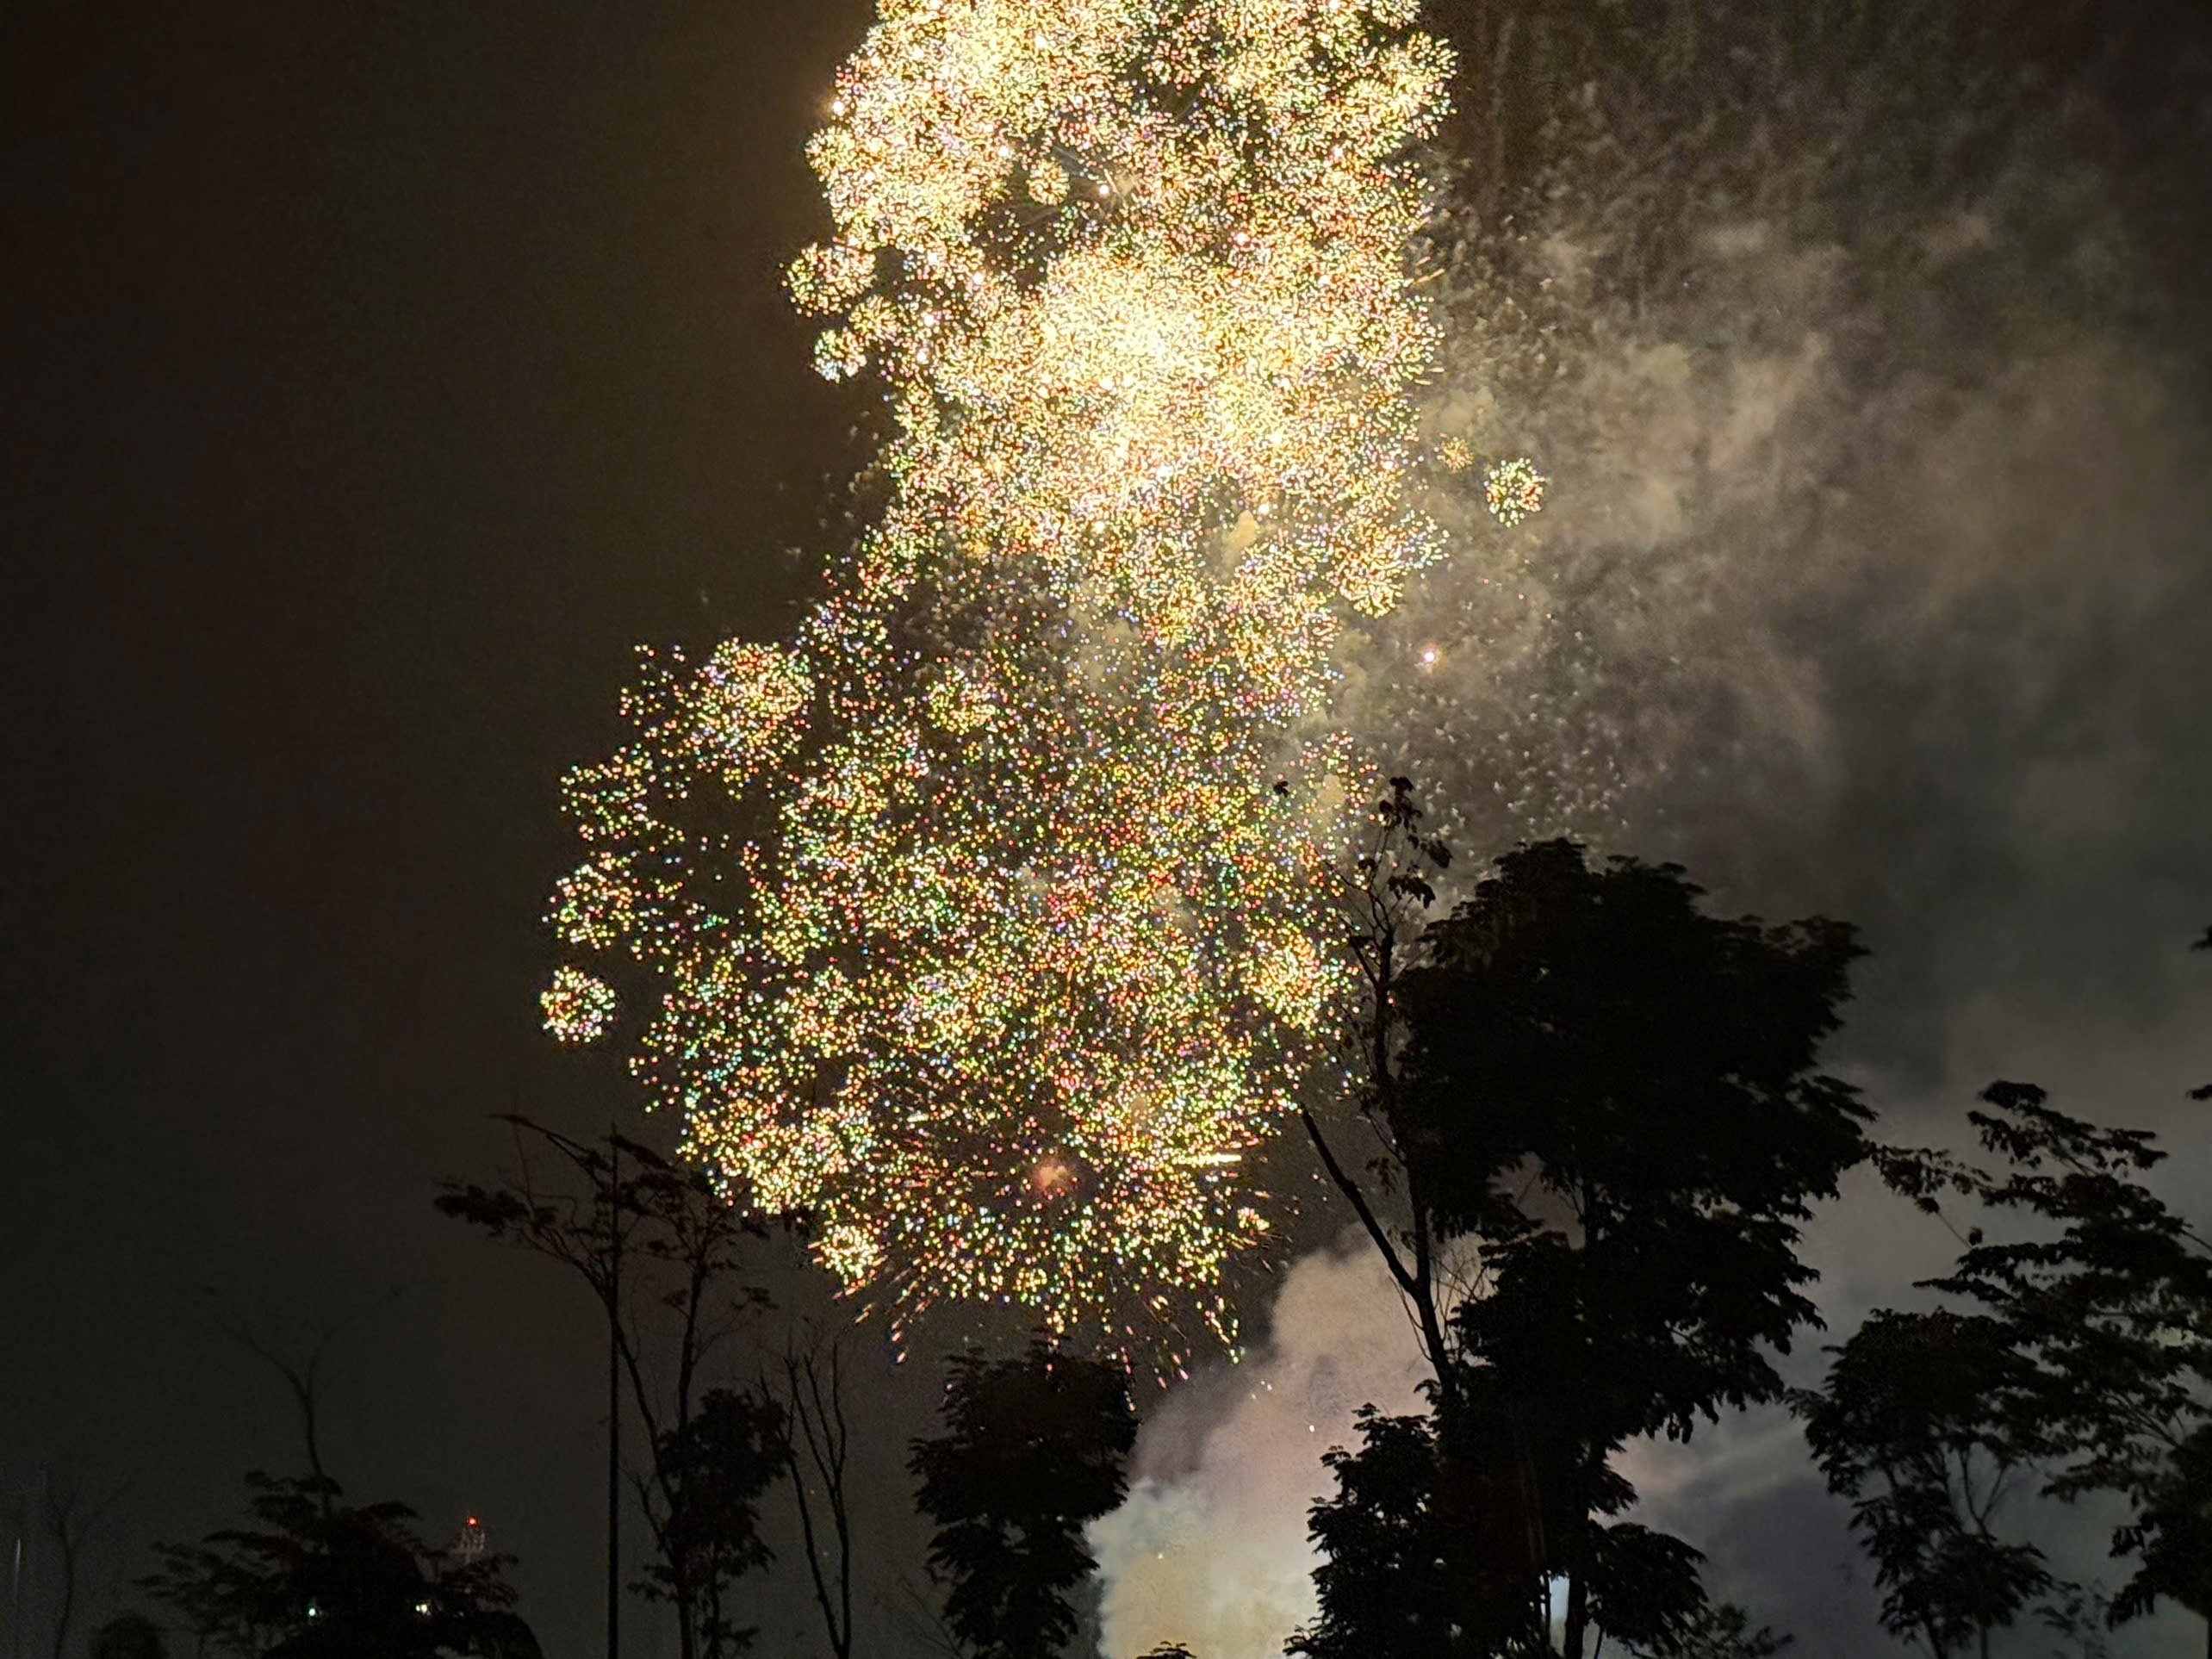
[{"x": 380, "y": 375}]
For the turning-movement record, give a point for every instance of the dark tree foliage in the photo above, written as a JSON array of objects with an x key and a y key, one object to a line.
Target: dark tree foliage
[
  {"x": 1033, "y": 1451},
  {"x": 2172, "y": 1535},
  {"x": 314, "y": 1578},
  {"x": 1642, "y": 1583},
  {"x": 715, "y": 1467},
  {"x": 1657, "y": 1064},
  {"x": 670, "y": 1264},
  {"x": 1929, "y": 1423},
  {"x": 1719, "y": 1632},
  {"x": 1615, "y": 1098},
  {"x": 2081, "y": 1616},
  {"x": 129, "y": 1636},
  {"x": 2111, "y": 1303},
  {"x": 1387, "y": 1581},
  {"x": 1408, "y": 1571}
]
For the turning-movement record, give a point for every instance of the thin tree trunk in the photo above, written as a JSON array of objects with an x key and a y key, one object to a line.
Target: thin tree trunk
[
  {"x": 1578, "y": 1611},
  {"x": 821, "y": 1425},
  {"x": 69, "y": 1546},
  {"x": 692, "y": 1600},
  {"x": 687, "y": 1620},
  {"x": 613, "y": 1401}
]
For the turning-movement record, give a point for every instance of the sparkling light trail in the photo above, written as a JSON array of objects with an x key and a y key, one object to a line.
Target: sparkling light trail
[{"x": 985, "y": 916}]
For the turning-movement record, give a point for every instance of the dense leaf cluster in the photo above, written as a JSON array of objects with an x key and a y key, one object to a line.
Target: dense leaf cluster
[
  {"x": 1608, "y": 1103},
  {"x": 1032, "y": 1451},
  {"x": 2089, "y": 1367},
  {"x": 315, "y": 1578}
]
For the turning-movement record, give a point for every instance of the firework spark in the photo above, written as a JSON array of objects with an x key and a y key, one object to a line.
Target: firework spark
[
  {"x": 577, "y": 1007},
  {"x": 985, "y": 929},
  {"x": 1514, "y": 489}
]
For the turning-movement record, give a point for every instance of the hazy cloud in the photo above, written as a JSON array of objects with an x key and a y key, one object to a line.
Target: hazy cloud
[{"x": 1210, "y": 1549}]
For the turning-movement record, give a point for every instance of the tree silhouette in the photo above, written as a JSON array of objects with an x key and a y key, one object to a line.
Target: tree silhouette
[
  {"x": 2111, "y": 1303},
  {"x": 1719, "y": 1632},
  {"x": 713, "y": 1468},
  {"x": 1384, "y": 910},
  {"x": 1033, "y": 1452},
  {"x": 316, "y": 1578},
  {"x": 669, "y": 1262},
  {"x": 1407, "y": 1568},
  {"x": 1614, "y": 1097},
  {"x": 1610, "y": 1101},
  {"x": 1929, "y": 1423},
  {"x": 2172, "y": 1535},
  {"x": 815, "y": 1449},
  {"x": 75, "y": 1516},
  {"x": 1384, "y": 1583}
]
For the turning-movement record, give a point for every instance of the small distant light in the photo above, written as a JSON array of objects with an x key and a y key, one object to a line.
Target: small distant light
[{"x": 423, "y": 1608}]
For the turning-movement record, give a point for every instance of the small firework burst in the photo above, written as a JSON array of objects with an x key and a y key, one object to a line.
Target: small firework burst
[
  {"x": 1514, "y": 489},
  {"x": 1048, "y": 184},
  {"x": 578, "y": 1008},
  {"x": 850, "y": 1252},
  {"x": 1455, "y": 453}
]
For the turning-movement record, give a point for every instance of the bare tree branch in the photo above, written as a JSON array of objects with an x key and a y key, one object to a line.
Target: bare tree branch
[{"x": 818, "y": 1414}]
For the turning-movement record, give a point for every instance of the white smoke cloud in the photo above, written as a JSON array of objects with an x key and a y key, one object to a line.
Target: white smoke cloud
[{"x": 1210, "y": 1549}]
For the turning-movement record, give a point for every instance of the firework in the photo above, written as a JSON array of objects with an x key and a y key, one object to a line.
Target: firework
[
  {"x": 577, "y": 1007},
  {"x": 986, "y": 929},
  {"x": 1514, "y": 489}
]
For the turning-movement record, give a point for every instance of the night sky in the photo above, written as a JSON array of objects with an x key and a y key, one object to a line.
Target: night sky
[{"x": 380, "y": 376}]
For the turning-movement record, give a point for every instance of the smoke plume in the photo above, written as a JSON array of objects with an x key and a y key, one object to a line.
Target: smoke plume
[
  {"x": 1210, "y": 1549},
  {"x": 1872, "y": 581}
]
